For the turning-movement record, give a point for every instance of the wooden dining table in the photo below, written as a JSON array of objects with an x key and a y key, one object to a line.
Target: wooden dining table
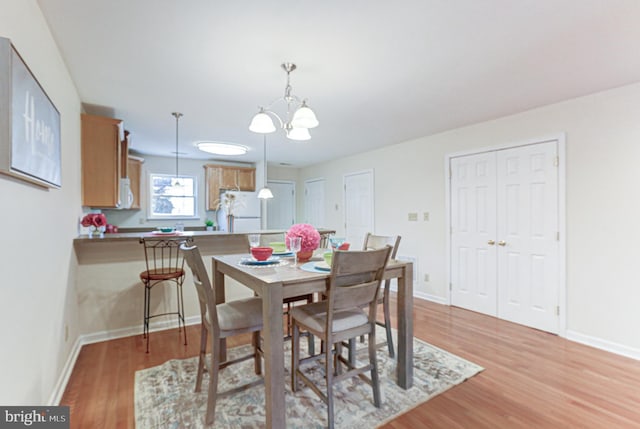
[{"x": 273, "y": 284}]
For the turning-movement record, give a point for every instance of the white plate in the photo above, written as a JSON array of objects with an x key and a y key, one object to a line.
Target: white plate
[
  {"x": 322, "y": 265},
  {"x": 252, "y": 261},
  {"x": 164, "y": 233},
  {"x": 282, "y": 253}
]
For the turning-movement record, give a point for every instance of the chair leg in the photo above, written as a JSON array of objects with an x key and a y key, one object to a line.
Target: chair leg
[
  {"x": 147, "y": 309},
  {"x": 257, "y": 364},
  {"x": 352, "y": 352},
  {"x": 181, "y": 311},
  {"x": 329, "y": 376},
  {"x": 204, "y": 336},
  {"x": 295, "y": 356},
  {"x": 387, "y": 319},
  {"x": 336, "y": 362},
  {"x": 213, "y": 390},
  {"x": 375, "y": 383}
]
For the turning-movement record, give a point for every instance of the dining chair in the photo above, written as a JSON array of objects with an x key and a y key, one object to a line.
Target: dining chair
[
  {"x": 218, "y": 322},
  {"x": 371, "y": 242},
  {"x": 164, "y": 263},
  {"x": 288, "y": 303},
  {"x": 348, "y": 311}
]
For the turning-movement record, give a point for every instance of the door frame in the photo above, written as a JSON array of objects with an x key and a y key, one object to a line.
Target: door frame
[{"x": 562, "y": 280}]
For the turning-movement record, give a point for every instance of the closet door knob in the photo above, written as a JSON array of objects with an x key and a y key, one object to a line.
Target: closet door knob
[
  {"x": 502, "y": 243},
  {"x": 491, "y": 242}
]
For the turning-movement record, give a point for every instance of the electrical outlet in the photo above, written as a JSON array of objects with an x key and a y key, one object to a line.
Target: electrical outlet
[
  {"x": 426, "y": 278},
  {"x": 413, "y": 217},
  {"x": 425, "y": 216}
]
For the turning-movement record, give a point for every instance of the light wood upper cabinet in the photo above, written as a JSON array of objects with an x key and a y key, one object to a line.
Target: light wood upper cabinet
[
  {"x": 135, "y": 171},
  {"x": 246, "y": 179},
  {"x": 223, "y": 177},
  {"x": 101, "y": 161}
]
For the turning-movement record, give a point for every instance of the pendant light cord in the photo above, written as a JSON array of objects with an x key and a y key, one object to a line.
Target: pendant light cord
[
  {"x": 264, "y": 172},
  {"x": 177, "y": 116}
]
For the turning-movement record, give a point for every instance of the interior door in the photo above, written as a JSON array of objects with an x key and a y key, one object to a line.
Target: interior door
[
  {"x": 314, "y": 202},
  {"x": 473, "y": 232},
  {"x": 528, "y": 251},
  {"x": 358, "y": 203},
  {"x": 281, "y": 208},
  {"x": 504, "y": 218}
]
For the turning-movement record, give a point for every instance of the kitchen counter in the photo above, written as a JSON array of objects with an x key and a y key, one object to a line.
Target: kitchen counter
[
  {"x": 109, "y": 287},
  {"x": 135, "y": 236}
]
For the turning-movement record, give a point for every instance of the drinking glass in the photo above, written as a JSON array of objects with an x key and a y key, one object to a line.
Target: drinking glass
[
  {"x": 254, "y": 240},
  {"x": 336, "y": 242},
  {"x": 294, "y": 244}
]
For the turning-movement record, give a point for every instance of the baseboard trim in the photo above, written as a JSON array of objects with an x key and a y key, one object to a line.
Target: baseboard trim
[
  {"x": 605, "y": 345},
  {"x": 421, "y": 295},
  {"x": 61, "y": 385},
  {"x": 97, "y": 337},
  {"x": 429, "y": 297}
]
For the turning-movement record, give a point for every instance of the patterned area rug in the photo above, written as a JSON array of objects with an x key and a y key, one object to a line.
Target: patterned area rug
[{"x": 164, "y": 396}]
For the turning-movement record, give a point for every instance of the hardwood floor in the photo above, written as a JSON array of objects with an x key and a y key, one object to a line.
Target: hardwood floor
[{"x": 531, "y": 379}]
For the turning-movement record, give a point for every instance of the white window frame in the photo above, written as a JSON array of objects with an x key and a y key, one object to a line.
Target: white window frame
[{"x": 153, "y": 216}]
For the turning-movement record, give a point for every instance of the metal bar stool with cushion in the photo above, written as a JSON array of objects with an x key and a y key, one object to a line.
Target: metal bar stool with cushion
[
  {"x": 352, "y": 287},
  {"x": 164, "y": 264},
  {"x": 378, "y": 242},
  {"x": 218, "y": 322}
]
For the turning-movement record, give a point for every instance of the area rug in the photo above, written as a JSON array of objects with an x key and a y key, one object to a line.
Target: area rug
[{"x": 165, "y": 397}]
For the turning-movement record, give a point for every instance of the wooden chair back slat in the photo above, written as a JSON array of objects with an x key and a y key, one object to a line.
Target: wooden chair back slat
[{"x": 206, "y": 294}]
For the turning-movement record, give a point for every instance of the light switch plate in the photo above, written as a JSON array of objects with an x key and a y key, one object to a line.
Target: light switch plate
[{"x": 413, "y": 217}]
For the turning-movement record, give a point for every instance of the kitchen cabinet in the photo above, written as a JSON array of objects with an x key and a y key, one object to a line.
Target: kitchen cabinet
[
  {"x": 134, "y": 169},
  {"x": 101, "y": 156},
  {"x": 223, "y": 177}
]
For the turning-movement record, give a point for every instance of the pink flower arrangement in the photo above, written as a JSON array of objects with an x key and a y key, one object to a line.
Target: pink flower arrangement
[
  {"x": 310, "y": 236},
  {"x": 95, "y": 220}
]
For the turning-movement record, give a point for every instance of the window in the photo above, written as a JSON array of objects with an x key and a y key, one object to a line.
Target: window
[{"x": 172, "y": 197}]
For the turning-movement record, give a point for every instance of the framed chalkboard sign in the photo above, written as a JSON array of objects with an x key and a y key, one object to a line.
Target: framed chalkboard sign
[{"x": 30, "y": 146}]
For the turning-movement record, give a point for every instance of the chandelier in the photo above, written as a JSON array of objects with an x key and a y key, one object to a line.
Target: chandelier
[{"x": 299, "y": 117}]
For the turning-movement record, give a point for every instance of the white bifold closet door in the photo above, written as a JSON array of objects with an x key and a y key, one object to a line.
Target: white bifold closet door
[{"x": 504, "y": 234}]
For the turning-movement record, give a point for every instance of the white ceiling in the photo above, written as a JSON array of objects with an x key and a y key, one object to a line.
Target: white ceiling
[{"x": 376, "y": 72}]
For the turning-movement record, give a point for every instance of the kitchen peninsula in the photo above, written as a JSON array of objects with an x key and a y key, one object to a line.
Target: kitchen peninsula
[{"x": 110, "y": 291}]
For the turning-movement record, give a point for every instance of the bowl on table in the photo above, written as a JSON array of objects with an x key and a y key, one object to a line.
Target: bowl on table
[
  {"x": 165, "y": 229},
  {"x": 278, "y": 246},
  {"x": 328, "y": 258},
  {"x": 261, "y": 253}
]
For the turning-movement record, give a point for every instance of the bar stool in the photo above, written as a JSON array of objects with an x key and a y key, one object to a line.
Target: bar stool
[{"x": 164, "y": 264}]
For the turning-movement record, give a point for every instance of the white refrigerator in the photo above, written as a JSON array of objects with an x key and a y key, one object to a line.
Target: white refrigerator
[{"x": 246, "y": 212}]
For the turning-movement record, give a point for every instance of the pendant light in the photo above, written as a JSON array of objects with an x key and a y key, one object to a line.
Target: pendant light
[
  {"x": 296, "y": 126},
  {"x": 177, "y": 115},
  {"x": 265, "y": 193}
]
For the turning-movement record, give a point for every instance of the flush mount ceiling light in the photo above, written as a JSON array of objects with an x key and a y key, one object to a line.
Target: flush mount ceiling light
[
  {"x": 218, "y": 148},
  {"x": 299, "y": 117}
]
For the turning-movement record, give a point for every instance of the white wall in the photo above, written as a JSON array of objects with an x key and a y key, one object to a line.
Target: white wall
[
  {"x": 603, "y": 204},
  {"x": 36, "y": 257},
  {"x": 167, "y": 165}
]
